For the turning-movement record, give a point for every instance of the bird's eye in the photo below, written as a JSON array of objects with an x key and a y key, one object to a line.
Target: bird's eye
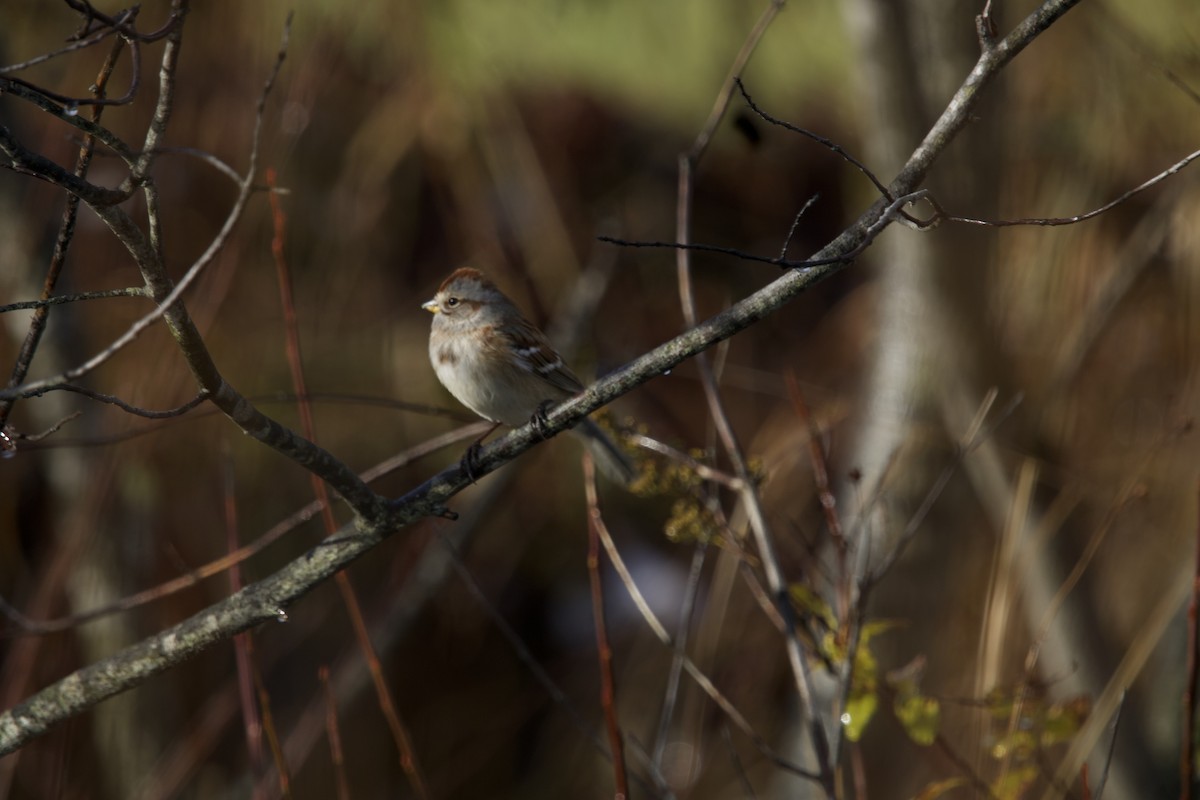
[{"x": 451, "y": 302}]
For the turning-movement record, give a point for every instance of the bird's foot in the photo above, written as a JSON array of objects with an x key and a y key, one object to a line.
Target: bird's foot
[
  {"x": 470, "y": 460},
  {"x": 539, "y": 421}
]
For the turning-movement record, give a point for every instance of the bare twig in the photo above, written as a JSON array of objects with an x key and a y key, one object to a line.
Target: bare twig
[
  {"x": 91, "y": 14},
  {"x": 243, "y": 647},
  {"x": 31, "y": 162},
  {"x": 678, "y": 649},
  {"x": 739, "y": 768},
  {"x": 288, "y": 397},
  {"x": 733, "y": 80},
  {"x": 335, "y": 737},
  {"x": 1112, "y": 744},
  {"x": 1056, "y": 221},
  {"x": 400, "y": 734},
  {"x": 701, "y": 469},
  {"x": 268, "y": 723},
  {"x": 208, "y": 158},
  {"x": 25, "y": 305},
  {"x": 71, "y": 104},
  {"x": 824, "y": 493},
  {"x": 787, "y": 241},
  {"x": 137, "y": 411},
  {"x": 608, "y": 689},
  {"x": 78, "y": 44},
  {"x": 886, "y": 216},
  {"x": 829, "y": 144}
]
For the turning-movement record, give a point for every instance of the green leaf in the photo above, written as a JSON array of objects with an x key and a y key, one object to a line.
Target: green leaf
[
  {"x": 920, "y": 716},
  {"x": 1063, "y": 720},
  {"x": 1013, "y": 784},
  {"x": 859, "y": 710},
  {"x": 809, "y": 602}
]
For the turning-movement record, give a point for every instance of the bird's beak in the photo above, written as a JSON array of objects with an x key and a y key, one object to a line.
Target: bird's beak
[{"x": 431, "y": 306}]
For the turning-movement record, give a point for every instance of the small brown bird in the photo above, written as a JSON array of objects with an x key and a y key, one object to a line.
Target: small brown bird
[{"x": 496, "y": 363}]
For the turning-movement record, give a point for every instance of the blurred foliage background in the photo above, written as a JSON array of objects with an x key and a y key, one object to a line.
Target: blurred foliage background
[{"x": 414, "y": 137}]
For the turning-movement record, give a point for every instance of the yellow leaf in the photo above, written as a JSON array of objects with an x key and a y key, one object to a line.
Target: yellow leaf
[
  {"x": 1063, "y": 720},
  {"x": 809, "y": 602},
  {"x": 1012, "y": 784},
  {"x": 920, "y": 716},
  {"x": 859, "y": 710}
]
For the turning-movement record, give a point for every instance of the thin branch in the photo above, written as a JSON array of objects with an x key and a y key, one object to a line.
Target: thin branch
[
  {"x": 243, "y": 644},
  {"x": 824, "y": 493},
  {"x": 37, "y": 437},
  {"x": 733, "y": 80},
  {"x": 829, "y": 144},
  {"x": 146, "y": 413},
  {"x": 1178, "y": 166},
  {"x": 268, "y": 724},
  {"x": 90, "y": 14},
  {"x": 70, "y": 105},
  {"x": 104, "y": 294},
  {"x": 1112, "y": 744},
  {"x": 122, "y": 26},
  {"x": 336, "y": 755},
  {"x": 702, "y": 470},
  {"x": 23, "y": 162},
  {"x": 214, "y": 162},
  {"x": 608, "y": 689},
  {"x": 679, "y": 650},
  {"x": 887, "y": 215},
  {"x": 739, "y": 769},
  {"x": 71, "y": 116},
  {"x": 78, "y": 44},
  {"x": 787, "y": 241},
  {"x": 282, "y": 397}
]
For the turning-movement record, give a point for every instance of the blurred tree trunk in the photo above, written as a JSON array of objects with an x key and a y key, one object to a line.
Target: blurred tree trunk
[{"x": 932, "y": 363}]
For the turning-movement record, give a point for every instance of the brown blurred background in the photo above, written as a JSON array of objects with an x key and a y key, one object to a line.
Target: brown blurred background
[{"x": 415, "y": 137}]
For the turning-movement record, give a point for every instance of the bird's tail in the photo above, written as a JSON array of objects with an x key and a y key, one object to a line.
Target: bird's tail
[{"x": 615, "y": 464}]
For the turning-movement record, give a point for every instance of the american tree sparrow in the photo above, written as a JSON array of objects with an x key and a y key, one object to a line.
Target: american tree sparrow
[{"x": 496, "y": 363}]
